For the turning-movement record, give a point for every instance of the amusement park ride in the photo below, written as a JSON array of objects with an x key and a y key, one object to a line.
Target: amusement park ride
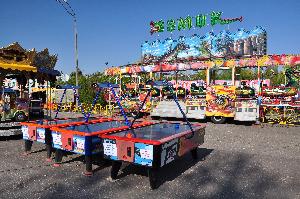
[
  {"x": 233, "y": 99},
  {"x": 22, "y": 65}
]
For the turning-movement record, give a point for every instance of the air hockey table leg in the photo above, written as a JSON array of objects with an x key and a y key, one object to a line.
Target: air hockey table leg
[
  {"x": 49, "y": 152},
  {"x": 48, "y": 143},
  {"x": 194, "y": 153},
  {"x": 58, "y": 157},
  {"x": 88, "y": 165},
  {"x": 153, "y": 175},
  {"x": 115, "y": 168},
  {"x": 27, "y": 146}
]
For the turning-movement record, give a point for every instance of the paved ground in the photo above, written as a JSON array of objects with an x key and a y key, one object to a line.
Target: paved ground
[
  {"x": 8, "y": 128},
  {"x": 241, "y": 162}
]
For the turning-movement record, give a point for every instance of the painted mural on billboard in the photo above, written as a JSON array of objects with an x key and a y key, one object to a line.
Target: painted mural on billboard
[
  {"x": 220, "y": 101},
  {"x": 224, "y": 44}
]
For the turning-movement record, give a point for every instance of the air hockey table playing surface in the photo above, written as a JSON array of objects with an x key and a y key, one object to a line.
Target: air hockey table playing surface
[
  {"x": 153, "y": 145},
  {"x": 83, "y": 138},
  {"x": 39, "y": 130}
]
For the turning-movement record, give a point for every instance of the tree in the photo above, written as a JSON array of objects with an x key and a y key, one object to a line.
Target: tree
[
  {"x": 245, "y": 74},
  {"x": 276, "y": 77},
  {"x": 86, "y": 92},
  {"x": 200, "y": 75},
  {"x": 223, "y": 75}
]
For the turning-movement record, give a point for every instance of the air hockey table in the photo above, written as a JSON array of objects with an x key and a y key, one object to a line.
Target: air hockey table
[
  {"x": 84, "y": 138},
  {"x": 39, "y": 131},
  {"x": 152, "y": 146}
]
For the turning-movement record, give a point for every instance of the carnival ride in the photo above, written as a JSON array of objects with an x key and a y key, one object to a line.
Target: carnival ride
[
  {"x": 22, "y": 65},
  {"x": 11, "y": 107},
  {"x": 238, "y": 100},
  {"x": 224, "y": 51},
  {"x": 281, "y": 104}
]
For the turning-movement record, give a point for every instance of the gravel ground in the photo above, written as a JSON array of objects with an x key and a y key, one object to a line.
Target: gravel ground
[{"x": 240, "y": 162}]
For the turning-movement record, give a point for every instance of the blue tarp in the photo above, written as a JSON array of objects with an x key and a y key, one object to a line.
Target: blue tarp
[
  {"x": 105, "y": 85},
  {"x": 67, "y": 87},
  {"x": 158, "y": 83},
  {"x": 7, "y": 90}
]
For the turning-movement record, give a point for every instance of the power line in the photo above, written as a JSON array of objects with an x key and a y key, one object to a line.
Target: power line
[{"x": 67, "y": 7}]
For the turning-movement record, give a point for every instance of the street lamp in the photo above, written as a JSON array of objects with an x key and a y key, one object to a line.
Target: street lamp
[{"x": 72, "y": 13}]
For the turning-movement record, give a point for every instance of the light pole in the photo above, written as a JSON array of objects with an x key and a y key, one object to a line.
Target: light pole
[{"x": 72, "y": 13}]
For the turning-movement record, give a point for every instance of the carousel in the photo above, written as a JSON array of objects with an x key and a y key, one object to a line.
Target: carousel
[{"x": 19, "y": 68}]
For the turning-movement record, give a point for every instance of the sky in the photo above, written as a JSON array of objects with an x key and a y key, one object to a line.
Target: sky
[{"x": 113, "y": 30}]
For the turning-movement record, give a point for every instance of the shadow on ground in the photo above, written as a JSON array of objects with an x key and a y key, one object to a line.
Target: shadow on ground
[
  {"x": 12, "y": 137},
  {"x": 170, "y": 171},
  {"x": 221, "y": 175}
]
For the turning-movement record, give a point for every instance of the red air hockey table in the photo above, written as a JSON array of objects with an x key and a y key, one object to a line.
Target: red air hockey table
[
  {"x": 84, "y": 138},
  {"x": 39, "y": 131},
  {"x": 152, "y": 146}
]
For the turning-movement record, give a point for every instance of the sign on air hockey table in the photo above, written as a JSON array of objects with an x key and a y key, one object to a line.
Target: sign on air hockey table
[
  {"x": 39, "y": 131},
  {"x": 83, "y": 138},
  {"x": 153, "y": 146}
]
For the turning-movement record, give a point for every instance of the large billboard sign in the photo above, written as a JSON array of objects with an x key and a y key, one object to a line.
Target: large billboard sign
[{"x": 222, "y": 45}]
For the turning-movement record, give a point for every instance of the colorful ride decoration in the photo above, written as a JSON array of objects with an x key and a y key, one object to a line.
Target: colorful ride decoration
[
  {"x": 281, "y": 105},
  {"x": 280, "y": 108},
  {"x": 293, "y": 76},
  {"x": 279, "y": 91},
  {"x": 263, "y": 61},
  {"x": 245, "y": 91},
  {"x": 281, "y": 114},
  {"x": 72, "y": 107},
  {"x": 197, "y": 90},
  {"x": 220, "y": 101},
  {"x": 155, "y": 92}
]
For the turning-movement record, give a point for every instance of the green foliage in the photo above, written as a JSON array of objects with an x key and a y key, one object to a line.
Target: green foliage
[
  {"x": 277, "y": 77},
  {"x": 86, "y": 92},
  {"x": 245, "y": 74},
  {"x": 200, "y": 75},
  {"x": 223, "y": 75}
]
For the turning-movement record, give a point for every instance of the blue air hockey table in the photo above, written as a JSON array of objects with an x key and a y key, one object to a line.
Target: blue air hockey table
[
  {"x": 152, "y": 146},
  {"x": 84, "y": 138},
  {"x": 149, "y": 144},
  {"x": 39, "y": 131}
]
